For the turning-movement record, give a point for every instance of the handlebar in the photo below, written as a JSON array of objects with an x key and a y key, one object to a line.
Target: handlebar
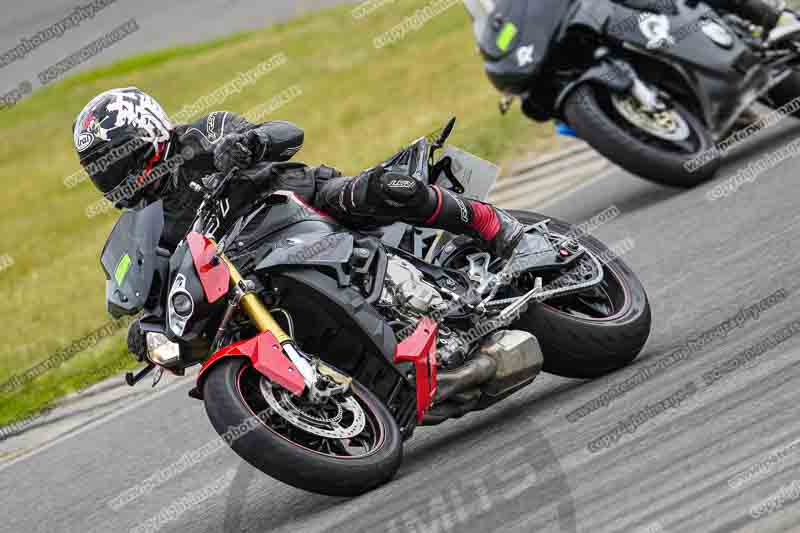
[{"x": 212, "y": 187}]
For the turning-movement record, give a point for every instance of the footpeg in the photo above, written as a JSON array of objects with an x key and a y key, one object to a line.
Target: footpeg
[{"x": 132, "y": 379}]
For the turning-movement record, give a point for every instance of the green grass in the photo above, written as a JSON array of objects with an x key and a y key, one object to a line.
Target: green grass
[{"x": 358, "y": 105}]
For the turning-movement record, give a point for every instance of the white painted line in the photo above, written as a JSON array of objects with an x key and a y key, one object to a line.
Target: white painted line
[{"x": 27, "y": 455}]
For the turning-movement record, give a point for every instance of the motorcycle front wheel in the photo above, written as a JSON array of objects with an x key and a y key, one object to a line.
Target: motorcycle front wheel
[
  {"x": 344, "y": 446},
  {"x": 665, "y": 147}
]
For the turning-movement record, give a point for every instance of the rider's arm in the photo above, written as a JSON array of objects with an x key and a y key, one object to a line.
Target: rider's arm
[{"x": 276, "y": 140}]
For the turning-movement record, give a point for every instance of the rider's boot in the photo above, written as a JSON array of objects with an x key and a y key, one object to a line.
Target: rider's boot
[
  {"x": 499, "y": 231},
  {"x": 779, "y": 24},
  {"x": 508, "y": 236},
  {"x": 758, "y": 12},
  {"x": 786, "y": 29}
]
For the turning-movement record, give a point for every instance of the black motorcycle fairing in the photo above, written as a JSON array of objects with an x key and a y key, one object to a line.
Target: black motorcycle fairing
[
  {"x": 517, "y": 40},
  {"x": 129, "y": 259},
  {"x": 412, "y": 160},
  {"x": 279, "y": 210},
  {"x": 319, "y": 247},
  {"x": 286, "y": 231},
  {"x": 290, "y": 235},
  {"x": 724, "y": 80}
]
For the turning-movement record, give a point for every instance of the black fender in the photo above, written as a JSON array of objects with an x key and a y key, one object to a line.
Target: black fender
[
  {"x": 345, "y": 330},
  {"x": 615, "y": 74}
]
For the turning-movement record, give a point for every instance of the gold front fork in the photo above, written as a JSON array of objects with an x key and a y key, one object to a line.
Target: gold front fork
[
  {"x": 264, "y": 321},
  {"x": 255, "y": 309}
]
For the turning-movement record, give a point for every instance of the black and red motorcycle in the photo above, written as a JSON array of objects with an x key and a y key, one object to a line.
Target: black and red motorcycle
[{"x": 323, "y": 348}]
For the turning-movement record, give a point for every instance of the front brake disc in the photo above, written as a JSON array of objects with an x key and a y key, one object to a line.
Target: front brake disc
[
  {"x": 283, "y": 403},
  {"x": 667, "y": 124}
]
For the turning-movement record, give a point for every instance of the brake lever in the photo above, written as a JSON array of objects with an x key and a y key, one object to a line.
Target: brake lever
[{"x": 213, "y": 185}]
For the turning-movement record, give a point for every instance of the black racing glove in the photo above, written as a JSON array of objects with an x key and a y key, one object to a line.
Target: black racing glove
[
  {"x": 137, "y": 341},
  {"x": 238, "y": 150}
]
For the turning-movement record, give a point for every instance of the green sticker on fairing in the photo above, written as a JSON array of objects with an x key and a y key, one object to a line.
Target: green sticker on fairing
[
  {"x": 122, "y": 269},
  {"x": 506, "y": 36}
]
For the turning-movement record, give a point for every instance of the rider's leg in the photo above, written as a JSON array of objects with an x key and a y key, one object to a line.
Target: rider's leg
[
  {"x": 375, "y": 198},
  {"x": 758, "y": 12},
  {"x": 778, "y": 24}
]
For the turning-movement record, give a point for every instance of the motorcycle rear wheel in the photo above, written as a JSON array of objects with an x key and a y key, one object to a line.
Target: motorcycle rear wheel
[
  {"x": 589, "y": 338},
  {"x": 285, "y": 437}
]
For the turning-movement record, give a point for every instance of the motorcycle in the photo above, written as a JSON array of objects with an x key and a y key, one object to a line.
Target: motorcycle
[
  {"x": 653, "y": 85},
  {"x": 323, "y": 348}
]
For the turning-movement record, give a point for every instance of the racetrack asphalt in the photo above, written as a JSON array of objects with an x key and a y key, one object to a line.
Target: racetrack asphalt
[{"x": 703, "y": 465}]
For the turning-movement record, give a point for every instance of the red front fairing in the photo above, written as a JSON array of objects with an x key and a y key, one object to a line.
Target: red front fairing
[
  {"x": 213, "y": 273},
  {"x": 420, "y": 348},
  {"x": 266, "y": 354}
]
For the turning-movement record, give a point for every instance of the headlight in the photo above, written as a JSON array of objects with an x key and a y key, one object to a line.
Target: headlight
[
  {"x": 182, "y": 303},
  {"x": 180, "y": 306},
  {"x": 161, "y": 350}
]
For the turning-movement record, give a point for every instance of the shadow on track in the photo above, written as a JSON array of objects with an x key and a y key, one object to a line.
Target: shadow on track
[{"x": 433, "y": 467}]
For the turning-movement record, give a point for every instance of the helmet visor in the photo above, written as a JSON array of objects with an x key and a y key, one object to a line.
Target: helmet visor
[{"x": 122, "y": 182}]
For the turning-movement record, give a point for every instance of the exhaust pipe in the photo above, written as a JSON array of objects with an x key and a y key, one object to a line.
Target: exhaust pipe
[
  {"x": 448, "y": 410},
  {"x": 475, "y": 372}
]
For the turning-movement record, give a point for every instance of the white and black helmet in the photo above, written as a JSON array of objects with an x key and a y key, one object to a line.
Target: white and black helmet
[{"x": 117, "y": 135}]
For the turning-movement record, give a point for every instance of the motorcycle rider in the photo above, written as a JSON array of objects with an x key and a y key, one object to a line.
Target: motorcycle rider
[{"x": 134, "y": 154}]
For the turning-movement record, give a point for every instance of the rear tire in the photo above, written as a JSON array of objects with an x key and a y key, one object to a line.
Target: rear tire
[
  {"x": 612, "y": 137},
  {"x": 577, "y": 347},
  {"x": 226, "y": 396}
]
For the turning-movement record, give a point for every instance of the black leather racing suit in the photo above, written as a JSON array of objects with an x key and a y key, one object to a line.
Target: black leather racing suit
[
  {"x": 370, "y": 198},
  {"x": 194, "y": 145}
]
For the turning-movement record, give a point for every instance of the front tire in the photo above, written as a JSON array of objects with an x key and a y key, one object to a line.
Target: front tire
[
  {"x": 346, "y": 467},
  {"x": 587, "y": 347},
  {"x": 589, "y": 111}
]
